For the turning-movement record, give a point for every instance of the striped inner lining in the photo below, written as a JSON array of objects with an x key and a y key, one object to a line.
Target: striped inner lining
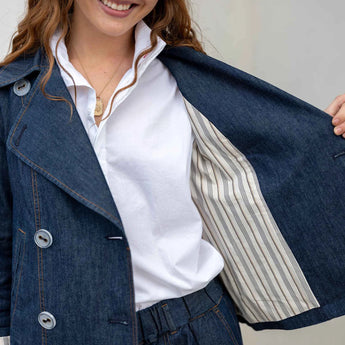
[{"x": 260, "y": 273}]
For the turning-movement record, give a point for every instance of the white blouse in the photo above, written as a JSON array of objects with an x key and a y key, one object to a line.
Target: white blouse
[{"x": 144, "y": 148}]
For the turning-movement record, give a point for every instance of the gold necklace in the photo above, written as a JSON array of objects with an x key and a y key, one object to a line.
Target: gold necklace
[{"x": 99, "y": 103}]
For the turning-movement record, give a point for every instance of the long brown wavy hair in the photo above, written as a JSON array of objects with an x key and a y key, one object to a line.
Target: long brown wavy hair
[{"x": 170, "y": 20}]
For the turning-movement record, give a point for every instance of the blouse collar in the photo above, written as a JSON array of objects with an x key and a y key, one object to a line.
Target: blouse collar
[{"x": 142, "y": 42}]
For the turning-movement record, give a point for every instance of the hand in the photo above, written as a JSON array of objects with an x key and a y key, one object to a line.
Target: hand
[{"x": 337, "y": 110}]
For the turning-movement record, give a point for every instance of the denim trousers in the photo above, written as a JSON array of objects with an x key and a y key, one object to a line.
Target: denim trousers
[{"x": 204, "y": 317}]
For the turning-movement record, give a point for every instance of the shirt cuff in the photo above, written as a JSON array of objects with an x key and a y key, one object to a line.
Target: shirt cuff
[{"x": 5, "y": 340}]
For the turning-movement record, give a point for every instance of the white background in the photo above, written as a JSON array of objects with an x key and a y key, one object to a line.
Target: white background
[{"x": 296, "y": 45}]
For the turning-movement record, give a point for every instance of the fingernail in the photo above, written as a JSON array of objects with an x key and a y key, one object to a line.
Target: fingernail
[
  {"x": 335, "y": 121},
  {"x": 337, "y": 130}
]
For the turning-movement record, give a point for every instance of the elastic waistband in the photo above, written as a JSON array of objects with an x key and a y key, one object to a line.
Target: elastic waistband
[{"x": 170, "y": 314}]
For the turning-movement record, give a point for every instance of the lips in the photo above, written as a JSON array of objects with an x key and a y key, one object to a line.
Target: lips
[
  {"x": 118, "y": 5},
  {"x": 117, "y": 8},
  {"x": 121, "y": 2}
]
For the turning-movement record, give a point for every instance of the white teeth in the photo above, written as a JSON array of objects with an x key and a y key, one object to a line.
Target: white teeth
[{"x": 116, "y": 6}]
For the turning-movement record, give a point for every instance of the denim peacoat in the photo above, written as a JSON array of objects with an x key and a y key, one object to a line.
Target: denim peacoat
[{"x": 267, "y": 176}]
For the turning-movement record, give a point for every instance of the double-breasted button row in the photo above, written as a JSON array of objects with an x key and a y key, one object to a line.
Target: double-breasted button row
[
  {"x": 43, "y": 238},
  {"x": 21, "y": 87}
]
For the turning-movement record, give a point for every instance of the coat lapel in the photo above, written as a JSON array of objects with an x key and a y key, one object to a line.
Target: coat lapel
[{"x": 56, "y": 145}]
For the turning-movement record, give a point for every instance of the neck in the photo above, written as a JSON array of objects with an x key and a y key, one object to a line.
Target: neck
[{"x": 97, "y": 47}]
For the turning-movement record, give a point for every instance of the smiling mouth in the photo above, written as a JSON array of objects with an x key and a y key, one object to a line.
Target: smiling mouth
[{"x": 117, "y": 6}]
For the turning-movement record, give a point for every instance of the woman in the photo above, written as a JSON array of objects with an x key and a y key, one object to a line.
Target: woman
[{"x": 97, "y": 215}]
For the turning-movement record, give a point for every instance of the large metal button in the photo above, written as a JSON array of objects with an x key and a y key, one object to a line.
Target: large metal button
[
  {"x": 21, "y": 87},
  {"x": 46, "y": 320},
  {"x": 43, "y": 238}
]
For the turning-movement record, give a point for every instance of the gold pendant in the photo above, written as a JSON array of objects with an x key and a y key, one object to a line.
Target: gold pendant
[{"x": 99, "y": 107}]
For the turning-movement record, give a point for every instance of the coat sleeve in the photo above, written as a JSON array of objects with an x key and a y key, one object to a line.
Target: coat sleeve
[{"x": 5, "y": 236}]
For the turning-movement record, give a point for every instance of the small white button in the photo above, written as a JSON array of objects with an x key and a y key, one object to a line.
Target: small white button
[
  {"x": 21, "y": 87},
  {"x": 46, "y": 320},
  {"x": 43, "y": 238}
]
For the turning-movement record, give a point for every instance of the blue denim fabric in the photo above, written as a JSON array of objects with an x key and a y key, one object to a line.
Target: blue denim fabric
[
  {"x": 204, "y": 317},
  {"x": 50, "y": 179},
  {"x": 298, "y": 160}
]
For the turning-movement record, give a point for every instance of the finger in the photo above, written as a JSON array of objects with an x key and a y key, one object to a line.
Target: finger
[
  {"x": 339, "y": 118},
  {"x": 334, "y": 107},
  {"x": 339, "y": 130}
]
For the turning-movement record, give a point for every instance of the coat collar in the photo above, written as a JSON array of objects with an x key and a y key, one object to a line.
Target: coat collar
[
  {"x": 38, "y": 61},
  {"x": 22, "y": 67},
  {"x": 45, "y": 138}
]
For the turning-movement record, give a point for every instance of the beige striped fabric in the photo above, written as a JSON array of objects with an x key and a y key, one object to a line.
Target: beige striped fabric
[{"x": 260, "y": 273}]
